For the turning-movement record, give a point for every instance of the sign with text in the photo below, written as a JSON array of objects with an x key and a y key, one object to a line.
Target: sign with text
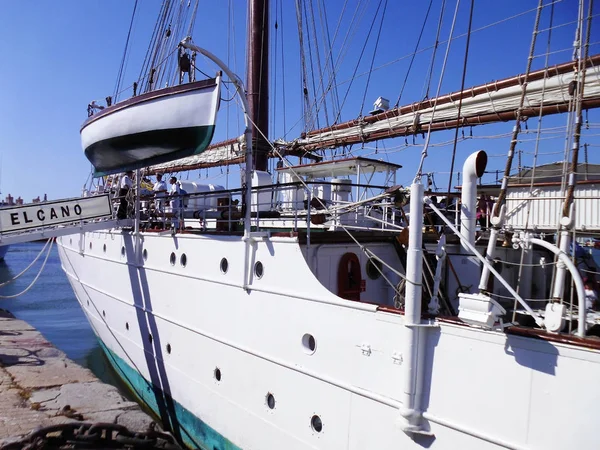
[{"x": 37, "y": 215}]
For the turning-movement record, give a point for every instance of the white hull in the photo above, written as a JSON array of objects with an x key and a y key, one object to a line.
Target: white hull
[{"x": 481, "y": 389}]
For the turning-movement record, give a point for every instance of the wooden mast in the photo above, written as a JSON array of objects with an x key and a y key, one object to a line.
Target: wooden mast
[{"x": 258, "y": 80}]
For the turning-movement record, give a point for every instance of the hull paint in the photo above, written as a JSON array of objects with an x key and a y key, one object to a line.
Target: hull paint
[
  {"x": 176, "y": 324},
  {"x": 138, "y": 150},
  {"x": 160, "y": 126},
  {"x": 182, "y": 423},
  {"x": 3, "y": 251}
]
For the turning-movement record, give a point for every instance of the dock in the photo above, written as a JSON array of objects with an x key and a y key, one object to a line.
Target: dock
[{"x": 40, "y": 387}]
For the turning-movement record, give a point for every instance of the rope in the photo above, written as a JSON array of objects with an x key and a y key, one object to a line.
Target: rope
[
  {"x": 122, "y": 68},
  {"x": 437, "y": 95},
  {"x": 362, "y": 52},
  {"x": 374, "y": 53},
  {"x": 579, "y": 116},
  {"x": 511, "y": 151},
  {"x": 28, "y": 267},
  {"x": 435, "y": 47},
  {"x": 36, "y": 277},
  {"x": 414, "y": 54},
  {"x": 460, "y": 101}
]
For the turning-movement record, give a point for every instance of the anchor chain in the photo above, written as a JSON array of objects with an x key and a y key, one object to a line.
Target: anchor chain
[{"x": 93, "y": 435}]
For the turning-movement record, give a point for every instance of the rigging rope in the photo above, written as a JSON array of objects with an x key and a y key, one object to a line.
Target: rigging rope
[
  {"x": 51, "y": 240},
  {"x": 437, "y": 95},
  {"x": 435, "y": 47},
  {"x": 581, "y": 72},
  {"x": 460, "y": 101},
  {"x": 306, "y": 105},
  {"x": 28, "y": 267},
  {"x": 335, "y": 99},
  {"x": 362, "y": 52},
  {"x": 414, "y": 54},
  {"x": 374, "y": 53},
  {"x": 517, "y": 126},
  {"x": 121, "y": 69}
]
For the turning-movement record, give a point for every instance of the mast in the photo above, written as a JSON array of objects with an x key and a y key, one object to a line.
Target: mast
[{"x": 258, "y": 80}]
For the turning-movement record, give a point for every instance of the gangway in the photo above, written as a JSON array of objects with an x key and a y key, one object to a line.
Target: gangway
[{"x": 35, "y": 221}]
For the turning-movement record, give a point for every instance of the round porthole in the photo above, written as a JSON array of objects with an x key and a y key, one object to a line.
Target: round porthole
[
  {"x": 70, "y": 241},
  {"x": 104, "y": 248},
  {"x": 224, "y": 265},
  {"x": 218, "y": 374},
  {"x": 90, "y": 245},
  {"x": 169, "y": 349},
  {"x": 127, "y": 326},
  {"x": 309, "y": 343},
  {"x": 270, "y": 399},
  {"x": 173, "y": 258},
  {"x": 145, "y": 255},
  {"x": 258, "y": 269},
  {"x": 183, "y": 259},
  {"x": 374, "y": 268},
  {"x": 103, "y": 313},
  {"x": 123, "y": 251},
  {"x": 316, "y": 423}
]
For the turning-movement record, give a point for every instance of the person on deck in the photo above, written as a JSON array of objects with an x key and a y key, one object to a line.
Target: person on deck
[
  {"x": 176, "y": 201},
  {"x": 483, "y": 211},
  {"x": 591, "y": 297},
  {"x": 160, "y": 190},
  {"x": 124, "y": 187}
]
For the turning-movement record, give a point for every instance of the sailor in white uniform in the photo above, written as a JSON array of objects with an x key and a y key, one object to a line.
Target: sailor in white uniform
[{"x": 160, "y": 190}]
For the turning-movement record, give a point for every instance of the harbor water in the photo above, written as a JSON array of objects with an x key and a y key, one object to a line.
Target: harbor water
[{"x": 50, "y": 306}]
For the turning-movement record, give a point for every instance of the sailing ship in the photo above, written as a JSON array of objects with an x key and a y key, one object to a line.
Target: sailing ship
[{"x": 323, "y": 301}]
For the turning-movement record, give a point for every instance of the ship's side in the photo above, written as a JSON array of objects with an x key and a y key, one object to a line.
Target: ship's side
[{"x": 280, "y": 361}]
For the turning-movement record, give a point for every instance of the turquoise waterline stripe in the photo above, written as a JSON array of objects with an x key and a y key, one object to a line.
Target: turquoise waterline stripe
[{"x": 194, "y": 432}]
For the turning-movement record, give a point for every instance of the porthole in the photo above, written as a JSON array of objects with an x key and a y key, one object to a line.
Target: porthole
[
  {"x": 88, "y": 302},
  {"x": 173, "y": 258},
  {"x": 169, "y": 349},
  {"x": 270, "y": 399},
  {"x": 224, "y": 265},
  {"x": 374, "y": 268},
  {"x": 104, "y": 248},
  {"x": 316, "y": 423},
  {"x": 218, "y": 374},
  {"x": 145, "y": 255},
  {"x": 70, "y": 241},
  {"x": 309, "y": 343},
  {"x": 150, "y": 339},
  {"x": 183, "y": 260},
  {"x": 103, "y": 313},
  {"x": 90, "y": 245},
  {"x": 123, "y": 251},
  {"x": 258, "y": 269},
  {"x": 127, "y": 326}
]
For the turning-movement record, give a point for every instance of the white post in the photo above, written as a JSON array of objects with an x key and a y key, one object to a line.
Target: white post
[
  {"x": 412, "y": 311},
  {"x": 525, "y": 282},
  {"x": 566, "y": 260},
  {"x": 473, "y": 168},
  {"x": 239, "y": 86},
  {"x": 489, "y": 256},
  {"x": 561, "y": 270},
  {"x": 138, "y": 184}
]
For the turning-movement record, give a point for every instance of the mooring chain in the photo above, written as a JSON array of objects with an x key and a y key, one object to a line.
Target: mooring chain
[{"x": 93, "y": 435}]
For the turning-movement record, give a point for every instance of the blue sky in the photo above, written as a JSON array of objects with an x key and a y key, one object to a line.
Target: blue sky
[{"x": 57, "y": 56}]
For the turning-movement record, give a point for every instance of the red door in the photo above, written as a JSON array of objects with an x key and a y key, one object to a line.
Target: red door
[{"x": 349, "y": 278}]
